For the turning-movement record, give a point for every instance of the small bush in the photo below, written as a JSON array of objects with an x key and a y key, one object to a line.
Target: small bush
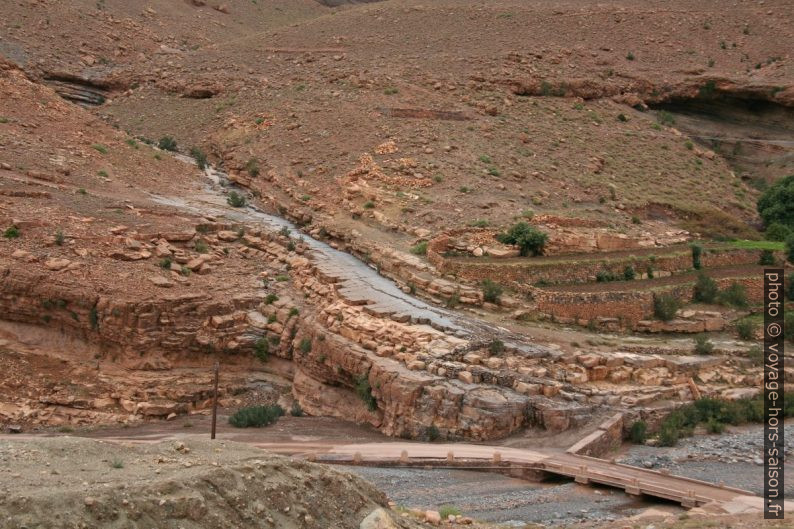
[
  {"x": 167, "y": 143},
  {"x": 638, "y": 432},
  {"x": 665, "y": 118},
  {"x": 200, "y": 157},
  {"x": 668, "y": 435},
  {"x": 432, "y": 434},
  {"x": 165, "y": 263},
  {"x": 790, "y": 249},
  {"x": 628, "y": 273},
  {"x": 252, "y": 167},
  {"x": 703, "y": 345},
  {"x": 364, "y": 391},
  {"x": 296, "y": 410},
  {"x": 100, "y": 148},
  {"x": 630, "y": 56},
  {"x": 735, "y": 296},
  {"x": 12, "y": 232},
  {"x": 491, "y": 291},
  {"x": 282, "y": 277},
  {"x": 605, "y": 276},
  {"x": 270, "y": 298},
  {"x": 528, "y": 239},
  {"x": 256, "y": 416},
  {"x": 697, "y": 252},
  {"x": 746, "y": 329},
  {"x": 448, "y": 510},
  {"x": 236, "y": 200},
  {"x": 419, "y": 249},
  {"x": 261, "y": 349},
  {"x": 777, "y": 232},
  {"x": 705, "y": 290},
  {"x": 117, "y": 463},
  {"x": 714, "y": 426},
  {"x": 305, "y": 346},
  {"x": 60, "y": 238},
  {"x": 369, "y": 204},
  {"x": 496, "y": 347},
  {"x": 454, "y": 300},
  {"x": 665, "y": 306},
  {"x": 201, "y": 246},
  {"x": 767, "y": 258},
  {"x": 485, "y": 159}
]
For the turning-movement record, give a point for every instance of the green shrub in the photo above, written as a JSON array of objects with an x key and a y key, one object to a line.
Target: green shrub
[
  {"x": 165, "y": 263},
  {"x": 767, "y": 258},
  {"x": 605, "y": 276},
  {"x": 252, "y": 167},
  {"x": 714, "y": 426},
  {"x": 420, "y": 248},
  {"x": 167, "y": 143},
  {"x": 305, "y": 346},
  {"x": 100, "y": 148},
  {"x": 282, "y": 277},
  {"x": 262, "y": 349},
  {"x": 256, "y": 416},
  {"x": 432, "y": 434},
  {"x": 200, "y": 157},
  {"x": 496, "y": 347},
  {"x": 697, "y": 252},
  {"x": 746, "y": 329},
  {"x": 638, "y": 432},
  {"x": 528, "y": 239},
  {"x": 12, "y": 232},
  {"x": 668, "y": 435},
  {"x": 296, "y": 410},
  {"x": 491, "y": 291},
  {"x": 448, "y": 510},
  {"x": 665, "y": 306},
  {"x": 369, "y": 204},
  {"x": 777, "y": 232},
  {"x": 270, "y": 298},
  {"x": 60, "y": 238},
  {"x": 703, "y": 345},
  {"x": 628, "y": 273},
  {"x": 453, "y": 300},
  {"x": 201, "y": 246},
  {"x": 705, "y": 290},
  {"x": 630, "y": 56},
  {"x": 735, "y": 296},
  {"x": 364, "y": 391},
  {"x": 665, "y": 118},
  {"x": 236, "y": 200},
  {"x": 776, "y": 204}
]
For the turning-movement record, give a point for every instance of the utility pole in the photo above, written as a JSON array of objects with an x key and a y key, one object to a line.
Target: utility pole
[{"x": 215, "y": 402}]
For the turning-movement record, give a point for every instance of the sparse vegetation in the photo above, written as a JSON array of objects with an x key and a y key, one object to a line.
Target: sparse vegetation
[
  {"x": 200, "y": 157},
  {"x": 256, "y": 416},
  {"x": 100, "y": 148},
  {"x": 746, "y": 328},
  {"x": 419, "y": 248},
  {"x": 252, "y": 167},
  {"x": 665, "y": 306},
  {"x": 59, "y": 238},
  {"x": 697, "y": 252},
  {"x": 270, "y": 299},
  {"x": 167, "y": 143},
  {"x": 448, "y": 510},
  {"x": 491, "y": 291},
  {"x": 776, "y": 204},
  {"x": 116, "y": 463},
  {"x": 529, "y": 240},
  {"x": 12, "y": 232},
  {"x": 305, "y": 346},
  {"x": 703, "y": 345},
  {"x": 705, "y": 290},
  {"x": 201, "y": 246},
  {"x": 261, "y": 349},
  {"x": 369, "y": 204},
  {"x": 638, "y": 433},
  {"x": 767, "y": 258},
  {"x": 364, "y": 392},
  {"x": 236, "y": 200}
]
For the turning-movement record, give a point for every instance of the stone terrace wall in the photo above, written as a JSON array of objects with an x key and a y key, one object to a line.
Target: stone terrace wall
[
  {"x": 533, "y": 271},
  {"x": 607, "y": 438},
  {"x": 628, "y": 305}
]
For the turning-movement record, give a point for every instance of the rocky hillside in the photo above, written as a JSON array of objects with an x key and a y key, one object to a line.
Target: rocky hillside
[{"x": 196, "y": 485}]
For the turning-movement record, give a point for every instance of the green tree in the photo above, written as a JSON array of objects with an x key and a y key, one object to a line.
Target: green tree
[
  {"x": 528, "y": 239},
  {"x": 777, "y": 203},
  {"x": 705, "y": 290}
]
